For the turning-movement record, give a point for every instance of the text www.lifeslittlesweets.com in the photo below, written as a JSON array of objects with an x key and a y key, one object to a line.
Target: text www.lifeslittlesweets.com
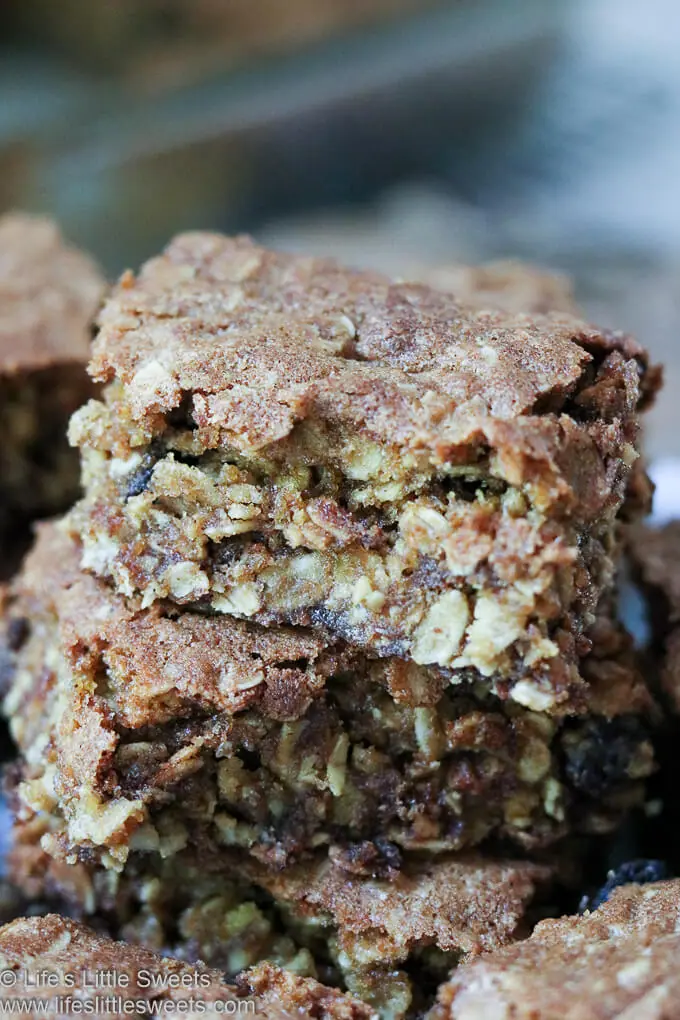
[
  {"x": 97, "y": 993},
  {"x": 117, "y": 1005}
]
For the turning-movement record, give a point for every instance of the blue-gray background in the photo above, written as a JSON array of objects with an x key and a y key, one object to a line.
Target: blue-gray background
[{"x": 438, "y": 131}]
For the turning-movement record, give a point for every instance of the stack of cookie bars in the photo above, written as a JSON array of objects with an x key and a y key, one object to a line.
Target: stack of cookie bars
[{"x": 324, "y": 668}]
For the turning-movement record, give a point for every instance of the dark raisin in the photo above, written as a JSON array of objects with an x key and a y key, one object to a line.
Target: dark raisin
[
  {"x": 391, "y": 854},
  {"x": 251, "y": 759},
  {"x": 139, "y": 480},
  {"x": 379, "y": 859},
  {"x": 598, "y": 754},
  {"x": 18, "y": 630},
  {"x": 297, "y": 664},
  {"x": 640, "y": 872},
  {"x": 229, "y": 551}
]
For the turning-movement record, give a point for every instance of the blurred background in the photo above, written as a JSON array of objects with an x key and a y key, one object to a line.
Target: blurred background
[{"x": 398, "y": 134}]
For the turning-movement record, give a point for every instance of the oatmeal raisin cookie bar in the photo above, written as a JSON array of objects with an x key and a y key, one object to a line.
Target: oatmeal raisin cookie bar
[
  {"x": 287, "y": 441},
  {"x": 381, "y": 933},
  {"x": 157, "y": 729}
]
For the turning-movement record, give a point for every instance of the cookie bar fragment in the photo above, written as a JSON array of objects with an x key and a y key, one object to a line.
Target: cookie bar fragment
[
  {"x": 135, "y": 980},
  {"x": 157, "y": 728},
  {"x": 49, "y": 294},
  {"x": 622, "y": 960},
  {"x": 384, "y": 938},
  {"x": 287, "y": 441},
  {"x": 505, "y": 285}
]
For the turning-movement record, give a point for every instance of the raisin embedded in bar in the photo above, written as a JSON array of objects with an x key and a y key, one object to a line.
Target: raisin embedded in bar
[
  {"x": 49, "y": 295},
  {"x": 290, "y": 442}
]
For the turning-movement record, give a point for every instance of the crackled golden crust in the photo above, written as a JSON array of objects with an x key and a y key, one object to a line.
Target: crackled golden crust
[
  {"x": 505, "y": 285},
  {"x": 49, "y": 294},
  {"x": 462, "y": 903},
  {"x": 149, "y": 728},
  {"x": 297, "y": 338},
  {"x": 620, "y": 961},
  {"x": 74, "y": 956},
  {"x": 291, "y": 442},
  {"x": 357, "y": 932}
]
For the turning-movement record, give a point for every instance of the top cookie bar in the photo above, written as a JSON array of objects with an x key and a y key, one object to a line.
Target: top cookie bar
[{"x": 289, "y": 441}]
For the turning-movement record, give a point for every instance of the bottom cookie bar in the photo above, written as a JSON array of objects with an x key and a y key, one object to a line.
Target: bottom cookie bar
[
  {"x": 55, "y": 967},
  {"x": 133, "y": 721},
  {"x": 350, "y": 918},
  {"x": 621, "y": 961}
]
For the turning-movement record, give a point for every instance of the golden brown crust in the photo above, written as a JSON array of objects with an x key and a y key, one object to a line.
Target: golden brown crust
[
  {"x": 299, "y": 338},
  {"x": 466, "y": 904},
  {"x": 74, "y": 957},
  {"x": 49, "y": 294},
  {"x": 620, "y": 961}
]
